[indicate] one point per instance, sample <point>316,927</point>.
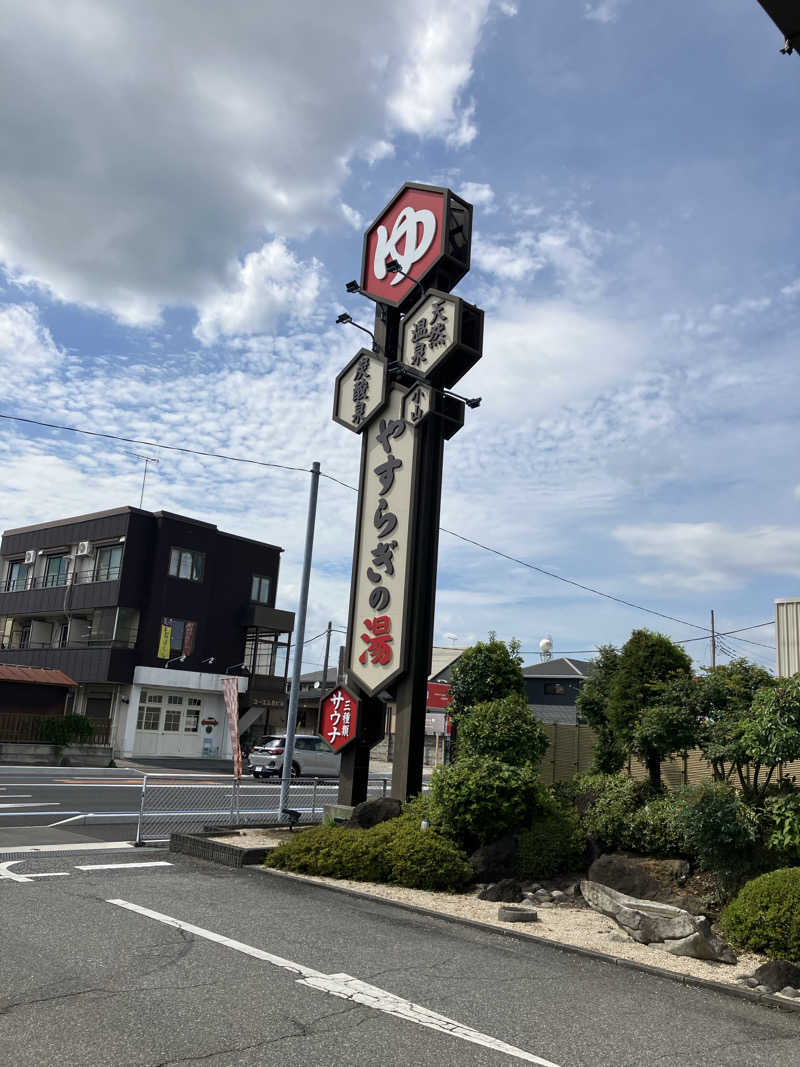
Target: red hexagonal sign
<point>428,231</point>
<point>338,718</point>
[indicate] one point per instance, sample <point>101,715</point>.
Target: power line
<point>346,485</point>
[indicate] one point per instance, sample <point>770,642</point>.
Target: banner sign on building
<point>165,639</point>
<point>338,718</point>
<point>230,688</point>
<point>438,696</point>
<point>189,632</point>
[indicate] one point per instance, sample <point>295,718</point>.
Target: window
<point>172,720</point>
<point>192,721</point>
<point>148,718</point>
<point>182,636</point>
<point>107,566</point>
<point>102,626</point>
<point>174,699</point>
<point>554,689</point>
<point>55,571</point>
<point>260,589</point>
<point>184,563</point>
<point>17,576</point>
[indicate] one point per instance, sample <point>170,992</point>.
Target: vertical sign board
<point>338,718</point>
<point>230,688</point>
<point>393,397</point>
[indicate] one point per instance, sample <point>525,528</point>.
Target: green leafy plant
<point>592,705</point>
<point>606,804</point>
<point>783,823</point>
<point>66,730</point>
<point>489,670</point>
<point>720,829</point>
<point>553,844</point>
<point>476,800</point>
<point>765,915</point>
<point>503,730</point>
<point>394,852</point>
<point>657,829</point>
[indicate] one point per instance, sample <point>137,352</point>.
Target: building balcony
<point>55,581</point>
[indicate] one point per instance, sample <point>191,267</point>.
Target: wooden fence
<point>572,747</point>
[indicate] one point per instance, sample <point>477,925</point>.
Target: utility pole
<point>713,641</point>
<point>327,654</point>
<point>299,637</point>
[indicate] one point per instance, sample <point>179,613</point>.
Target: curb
<point>202,848</point>
<point>768,1000</point>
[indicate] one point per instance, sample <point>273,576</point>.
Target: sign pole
<point>299,638</point>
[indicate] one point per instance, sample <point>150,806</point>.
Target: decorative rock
<point>495,860</point>
<point>776,974</point>
<point>702,946</point>
<point>509,914</point>
<point>508,890</point>
<point>557,895</point>
<point>763,989</point>
<point>542,894</point>
<point>646,879</point>
<point>751,982</point>
<point>790,991</point>
<point>649,922</point>
<point>370,812</point>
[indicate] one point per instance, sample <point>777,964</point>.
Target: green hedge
<point>553,844</point>
<point>658,829</point>
<point>66,730</point>
<point>396,852</point>
<point>765,915</point>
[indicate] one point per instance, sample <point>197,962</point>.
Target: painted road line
<point>12,876</point>
<point>28,814</point>
<point>87,846</point>
<point>61,822</point>
<point>16,796</point>
<point>349,988</point>
<point>119,866</point>
<point>33,804</point>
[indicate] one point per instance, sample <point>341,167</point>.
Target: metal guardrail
<point>167,806</point>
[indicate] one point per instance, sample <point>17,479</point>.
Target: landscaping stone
<point>763,989</point>
<point>646,879</point>
<point>507,889</point>
<point>495,860</point>
<point>650,922</point>
<point>542,894</point>
<point>371,812</point>
<point>790,991</point>
<point>509,914</point>
<point>557,895</point>
<point>776,974</point>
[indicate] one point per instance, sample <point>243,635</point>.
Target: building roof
<point>442,659</point>
<point>561,667</point>
<point>34,675</point>
<point>561,713</point>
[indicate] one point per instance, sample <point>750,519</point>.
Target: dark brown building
<point>146,612</point>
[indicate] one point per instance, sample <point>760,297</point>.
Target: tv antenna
<point>147,459</point>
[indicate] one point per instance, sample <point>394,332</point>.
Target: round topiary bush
<point>554,843</point>
<point>606,804</point>
<point>476,800</point>
<point>719,827</point>
<point>423,859</point>
<point>503,730</point>
<point>765,915</point>
<point>657,829</point>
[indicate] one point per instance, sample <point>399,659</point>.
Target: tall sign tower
<point>397,397</point>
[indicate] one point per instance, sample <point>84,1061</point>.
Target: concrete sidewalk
<point>377,768</point>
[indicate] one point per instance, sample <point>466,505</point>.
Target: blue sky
<point>183,190</point>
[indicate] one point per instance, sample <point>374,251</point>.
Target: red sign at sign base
<point>338,718</point>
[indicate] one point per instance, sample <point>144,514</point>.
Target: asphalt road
<point>94,799</point>
<point>191,963</point>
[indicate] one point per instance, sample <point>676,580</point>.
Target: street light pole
<point>299,638</point>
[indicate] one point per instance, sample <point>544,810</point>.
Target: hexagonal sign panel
<point>338,718</point>
<point>417,403</point>
<point>360,390</point>
<point>442,337</point>
<point>428,231</point>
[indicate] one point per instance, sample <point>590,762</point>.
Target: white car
<point>313,757</point>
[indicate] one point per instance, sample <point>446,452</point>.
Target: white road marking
<point>32,804</point>
<point>349,988</point>
<point>72,818</point>
<point>12,876</point>
<point>89,846</point>
<point>119,866</point>
<point>16,796</point>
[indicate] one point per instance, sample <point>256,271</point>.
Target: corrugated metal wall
<point>787,636</point>
<point>571,749</point>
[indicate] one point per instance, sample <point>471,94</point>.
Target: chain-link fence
<point>168,806</point>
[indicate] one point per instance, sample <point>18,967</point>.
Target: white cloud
<point>604,10</point>
<point>354,218</point>
<point>792,289</point>
<point>508,9</point>
<point>27,349</point>
<point>480,195</point>
<point>164,142</point>
<point>376,151</point>
<point>711,555</point>
<point>268,284</point>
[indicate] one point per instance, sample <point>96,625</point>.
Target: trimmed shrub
<point>66,730</point>
<point>657,829</point>
<point>503,730</point>
<point>606,804</point>
<point>396,852</point>
<point>783,824</point>
<point>765,915</point>
<point>720,829</point>
<point>553,844</point>
<point>476,800</point>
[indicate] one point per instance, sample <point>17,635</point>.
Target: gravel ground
<point>567,924</point>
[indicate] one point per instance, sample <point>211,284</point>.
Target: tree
<point>770,733</point>
<point>490,670</point>
<point>503,730</point>
<point>592,704</point>
<point>646,661</point>
<point>668,726</point>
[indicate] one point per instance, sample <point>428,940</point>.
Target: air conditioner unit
<point>30,555</point>
<point>84,548</point>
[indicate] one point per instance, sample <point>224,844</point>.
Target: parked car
<point>313,757</point>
